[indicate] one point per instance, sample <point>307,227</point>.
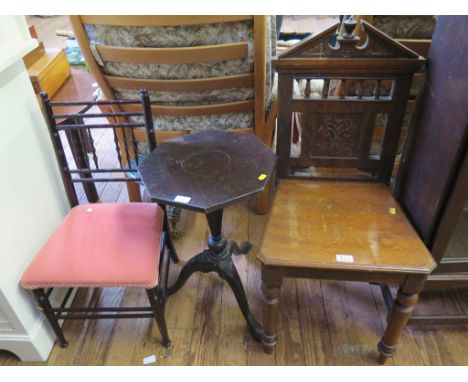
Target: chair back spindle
<point>94,169</point>
<point>351,129</point>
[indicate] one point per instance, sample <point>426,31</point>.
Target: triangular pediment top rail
<point>329,44</point>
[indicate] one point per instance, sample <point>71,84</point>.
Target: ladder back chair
<point>102,245</point>
<point>202,72</point>
<point>333,216</point>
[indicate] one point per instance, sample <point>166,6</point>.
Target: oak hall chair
<point>102,245</point>
<point>333,216</point>
<point>202,72</point>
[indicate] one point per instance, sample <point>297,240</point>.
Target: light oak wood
<point>313,221</point>
<point>49,72</point>
<point>220,108</point>
<point>184,55</point>
<point>82,38</point>
<point>164,135</point>
<point>34,55</point>
<point>260,41</point>
<point>201,84</point>
<point>420,46</point>
<point>335,66</point>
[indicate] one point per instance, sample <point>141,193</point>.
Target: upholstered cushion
<point>101,245</point>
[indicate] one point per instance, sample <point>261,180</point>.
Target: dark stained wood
<point>76,132</point>
<point>173,55</point>
<point>338,131</point>
<point>379,45</point>
<point>449,219</point>
<point>79,85</point>
<point>212,168</point>
<point>206,172</point>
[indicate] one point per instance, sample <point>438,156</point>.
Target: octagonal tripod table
<point>206,172</point>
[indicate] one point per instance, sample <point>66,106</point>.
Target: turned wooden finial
<point>349,25</point>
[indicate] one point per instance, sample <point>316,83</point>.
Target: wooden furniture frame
<point>440,171</point>
<point>78,86</point>
<point>337,134</point>
<point>157,296</point>
<point>264,122</point>
<point>214,169</point>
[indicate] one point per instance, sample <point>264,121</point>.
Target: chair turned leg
<point>401,313</point>
<point>263,202</point>
<point>44,304</point>
<point>270,298</point>
<point>158,311</point>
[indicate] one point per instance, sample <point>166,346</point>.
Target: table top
<point>208,170</point>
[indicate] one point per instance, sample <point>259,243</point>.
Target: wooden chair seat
<point>313,222</point>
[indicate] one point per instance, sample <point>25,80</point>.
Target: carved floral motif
<point>335,137</point>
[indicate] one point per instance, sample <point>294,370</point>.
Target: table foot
<point>221,263</point>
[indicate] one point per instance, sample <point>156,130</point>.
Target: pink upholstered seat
<point>101,245</point>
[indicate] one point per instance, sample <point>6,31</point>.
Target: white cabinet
<point>32,197</point>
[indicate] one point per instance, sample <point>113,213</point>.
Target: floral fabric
<point>418,27</point>
<point>182,36</point>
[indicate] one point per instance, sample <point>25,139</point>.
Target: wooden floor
<point>320,322</point>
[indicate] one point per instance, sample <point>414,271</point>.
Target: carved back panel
<point>355,93</point>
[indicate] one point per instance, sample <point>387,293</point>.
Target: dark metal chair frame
<point>157,296</point>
